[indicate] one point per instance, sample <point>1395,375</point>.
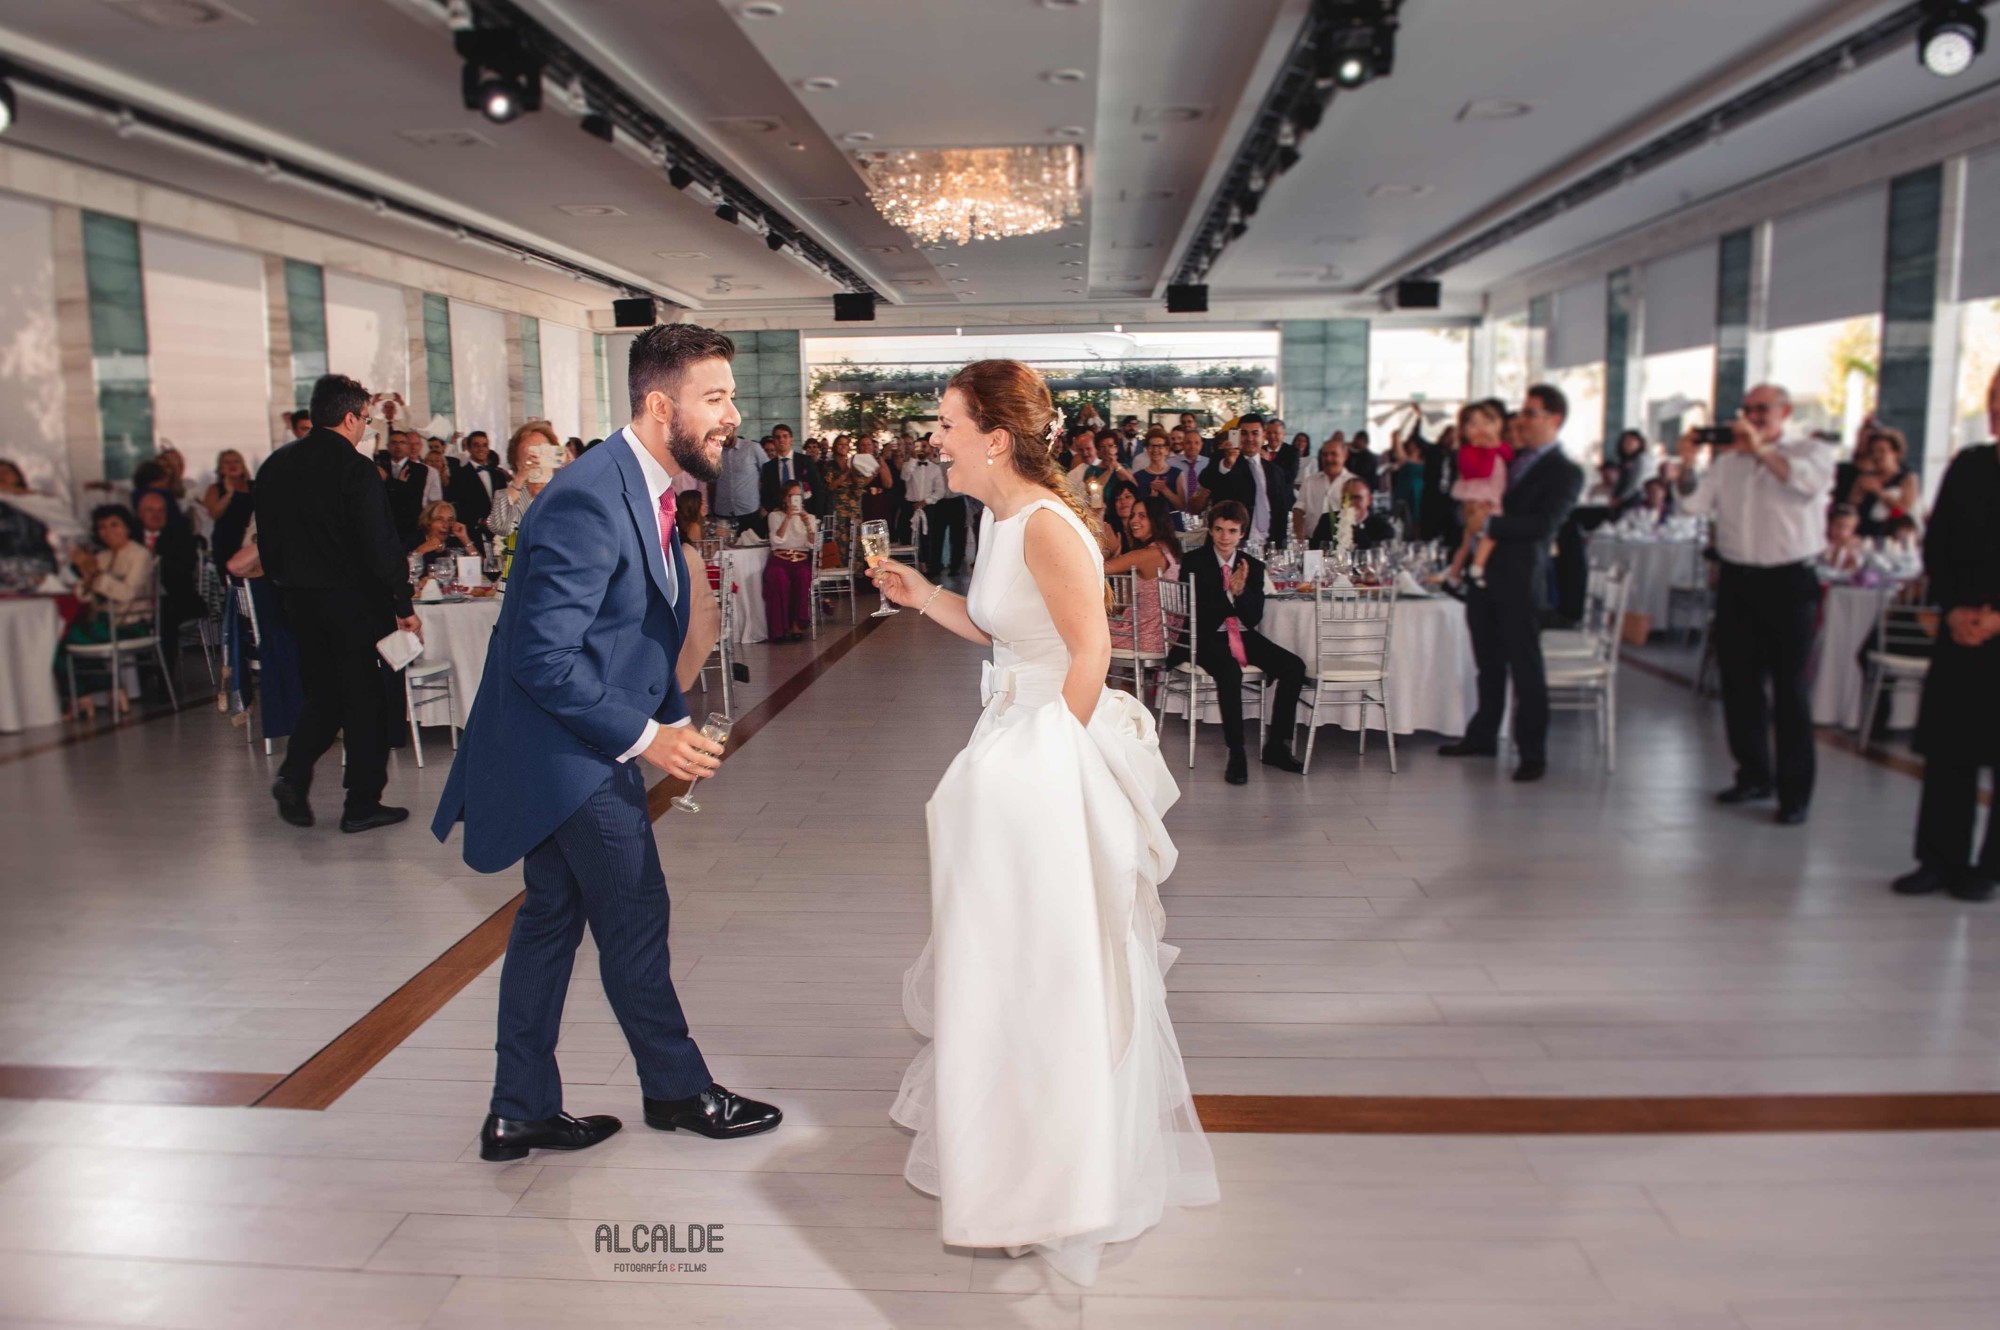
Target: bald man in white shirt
<point>1767,491</point>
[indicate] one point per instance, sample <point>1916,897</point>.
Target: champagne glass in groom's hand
<point>716,727</point>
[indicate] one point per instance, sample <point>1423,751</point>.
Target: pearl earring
<point>989,459</point>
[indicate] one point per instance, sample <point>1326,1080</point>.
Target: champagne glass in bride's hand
<point>875,546</point>
<point>716,727</point>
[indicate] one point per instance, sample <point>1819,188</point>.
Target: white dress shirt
<point>433,485</point>
<point>1318,495</point>
<point>924,482</point>
<point>658,482</point>
<point>1761,521</point>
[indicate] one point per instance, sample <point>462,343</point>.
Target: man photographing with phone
<point>1767,492</point>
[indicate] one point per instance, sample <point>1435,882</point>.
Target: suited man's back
<point>1532,513</point>
<point>323,522</point>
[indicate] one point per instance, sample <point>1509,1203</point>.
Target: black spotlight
<point>501,79</point>
<point>679,176</point>
<point>1951,37</point>
<point>8,107</point>
<point>1359,46</point>
<point>773,241</point>
<point>727,212</point>
<point>854,307</point>
<point>1190,298</point>
<point>598,126</point>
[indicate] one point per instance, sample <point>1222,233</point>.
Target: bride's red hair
<point>1008,396</point>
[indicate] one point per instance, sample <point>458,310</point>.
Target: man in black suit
<point>474,483</point>
<point>324,534</point>
<point>1228,605</point>
<point>784,467</point>
<point>1232,478</point>
<point>410,484</point>
<point>1504,615</point>
<point>1281,478</point>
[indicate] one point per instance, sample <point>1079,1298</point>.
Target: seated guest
<point>229,504</point>
<point>440,532</point>
<point>1320,492</point>
<point>172,545</point>
<point>1653,507</point>
<point>1151,551</point>
<point>1603,492</point>
<point>1112,534</point>
<point>1370,528</point>
<point>1843,539</point>
<point>1228,590</point>
<point>1876,484</point>
<point>789,574</point>
<point>1631,461</point>
<point>689,518</point>
<point>115,585</point>
<point>1087,470</point>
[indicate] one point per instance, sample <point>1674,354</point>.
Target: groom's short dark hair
<point>662,354</point>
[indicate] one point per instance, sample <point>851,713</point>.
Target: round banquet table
<point>29,629</point>
<point>1847,617</point>
<point>1657,567</point>
<point>743,581</point>
<point>1433,684</point>
<point>457,631</point>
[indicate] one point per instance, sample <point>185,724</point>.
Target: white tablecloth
<point>29,629</point>
<point>457,632</point>
<point>1433,684</point>
<point>743,582</point>
<point>1657,566</point>
<point>1847,616</point>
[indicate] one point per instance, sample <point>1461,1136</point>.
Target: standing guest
<point>789,573</point>
<point>1958,725</point>
<point>1406,482</point>
<point>229,505</point>
<point>472,486</point>
<point>114,581</point>
<point>1087,469</point>
<point>847,486</point>
<point>326,541</point>
<point>534,454</point>
<point>1282,462</point>
<point>1361,461</point>
<point>1632,458</point>
<point>1088,417</point>
<point>1227,479</point>
<point>1128,440</point>
<point>1504,614</point>
<point>410,484</point>
<point>295,424</point>
<point>944,523</point>
<point>175,465</point>
<point>1188,466</point>
<point>1229,604</point>
<point>1440,518</point>
<point>883,500</point>
<point>785,467</point>
<point>689,519</point>
<point>736,488</point>
<point>172,545</point>
<point>1877,484</point>
<point>1319,496</point>
<point>924,485</point>
<point>1767,492</point>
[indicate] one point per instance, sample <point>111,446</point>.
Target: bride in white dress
<point>1051,1109</point>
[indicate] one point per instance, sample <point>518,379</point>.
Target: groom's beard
<point>690,451</point>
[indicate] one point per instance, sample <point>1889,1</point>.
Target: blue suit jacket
<point>583,656</point>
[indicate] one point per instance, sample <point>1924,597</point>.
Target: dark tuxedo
<point>1281,479</point>
<point>469,496</point>
<point>1236,483</point>
<point>1213,605</point>
<point>324,534</point>
<point>1505,616</point>
<point>771,485</point>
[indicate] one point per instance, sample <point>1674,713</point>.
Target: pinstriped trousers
<point>601,867</point>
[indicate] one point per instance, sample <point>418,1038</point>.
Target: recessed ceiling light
<point>1399,191</point>
<point>1068,131</point>
<point>590,210</point>
<point>177,13</point>
<point>1130,277</point>
<point>961,281</point>
<point>913,281</point>
<point>1072,263</point>
<point>1494,108</point>
<point>1072,244</point>
<point>678,254</point>
<point>760,9</point>
<point>882,249</point>
<point>1064,76</point>
<point>819,83</point>
<point>947,265</point>
<point>747,124</point>
<point>1063,4</point>
<point>796,146</point>
<point>858,136</point>
<point>445,138</point>
<point>831,201</point>
<point>1133,244</point>
<point>967,293</point>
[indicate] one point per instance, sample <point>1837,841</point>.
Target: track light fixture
<point>1951,37</point>
<point>1359,44</point>
<point>501,79</point>
<point>598,126</point>
<point>727,212</point>
<point>679,176</point>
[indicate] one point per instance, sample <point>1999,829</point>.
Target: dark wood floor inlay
<point>116,1085</point>
<point>1664,1115</point>
<point>333,1071</point>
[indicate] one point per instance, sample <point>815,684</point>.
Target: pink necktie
<point>669,530</point>
<point>1233,625</point>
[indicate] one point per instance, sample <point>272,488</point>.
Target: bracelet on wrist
<point>924,610</point>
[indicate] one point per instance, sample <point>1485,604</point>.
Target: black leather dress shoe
<point>1282,759</point>
<point>292,805</point>
<point>1528,771</point>
<point>1790,815</point>
<point>1973,885</point>
<point>1739,793</point>
<point>381,815</point>
<point>1467,748</point>
<point>505,1138</point>
<point>1238,770</point>
<point>714,1112</point>
<point>1922,881</point>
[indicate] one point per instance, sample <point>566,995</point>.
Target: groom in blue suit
<point>600,629</point>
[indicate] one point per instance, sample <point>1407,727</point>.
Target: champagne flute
<point>875,545</point>
<point>716,727</point>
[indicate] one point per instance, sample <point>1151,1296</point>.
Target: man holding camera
<point>1767,493</point>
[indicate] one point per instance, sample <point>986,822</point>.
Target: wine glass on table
<point>716,727</point>
<point>875,548</point>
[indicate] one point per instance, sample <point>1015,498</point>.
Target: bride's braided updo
<point>1008,396</point>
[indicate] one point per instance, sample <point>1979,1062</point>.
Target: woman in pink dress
<point>1152,551</point>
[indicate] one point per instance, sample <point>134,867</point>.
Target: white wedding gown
<point>1051,1110</point>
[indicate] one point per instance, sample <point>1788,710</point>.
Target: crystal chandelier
<point>966,194</point>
